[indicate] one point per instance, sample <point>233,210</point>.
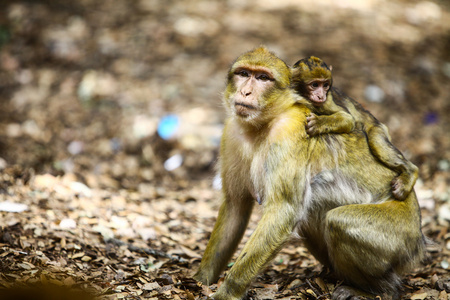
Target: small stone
<point>374,93</point>
<point>13,207</point>
<point>68,224</point>
<point>81,189</point>
<point>144,126</point>
<point>75,147</point>
<point>444,212</point>
<point>173,162</point>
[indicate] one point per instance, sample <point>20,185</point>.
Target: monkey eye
<point>315,84</point>
<point>263,77</point>
<point>242,73</point>
<point>326,85</point>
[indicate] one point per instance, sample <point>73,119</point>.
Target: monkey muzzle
<point>243,109</point>
<point>318,101</point>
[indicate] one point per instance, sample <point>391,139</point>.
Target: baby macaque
<point>334,112</point>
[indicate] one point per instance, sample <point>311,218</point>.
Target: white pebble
<point>374,93</point>
<point>68,224</point>
<point>75,147</point>
<point>13,207</point>
<point>173,162</point>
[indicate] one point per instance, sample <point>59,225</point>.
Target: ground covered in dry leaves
<point>99,195</point>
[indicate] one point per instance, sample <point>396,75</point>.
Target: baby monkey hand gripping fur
<point>328,188</point>
<point>333,112</point>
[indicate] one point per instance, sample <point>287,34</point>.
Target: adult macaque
<point>333,112</point>
<point>329,188</point>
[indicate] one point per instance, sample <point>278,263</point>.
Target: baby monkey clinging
<point>334,112</point>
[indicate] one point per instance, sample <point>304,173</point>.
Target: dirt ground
<point>110,121</point>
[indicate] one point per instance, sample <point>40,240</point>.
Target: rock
<point>374,93</point>
<point>13,207</point>
<point>68,224</point>
<point>174,162</point>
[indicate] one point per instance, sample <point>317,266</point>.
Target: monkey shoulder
<point>289,125</point>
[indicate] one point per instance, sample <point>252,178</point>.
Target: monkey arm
<point>339,122</point>
<point>273,230</point>
<point>226,235</point>
<point>279,216</point>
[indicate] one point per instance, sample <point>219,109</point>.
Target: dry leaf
<point>151,286</point>
<point>77,255</point>
<point>86,258</point>
<point>419,296</point>
<point>189,252</point>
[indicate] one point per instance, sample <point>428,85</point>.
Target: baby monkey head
<point>311,79</point>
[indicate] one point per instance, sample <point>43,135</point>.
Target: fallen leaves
<point>95,241</point>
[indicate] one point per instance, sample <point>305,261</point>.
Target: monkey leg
<point>381,147</point>
<point>273,230</point>
<point>370,245</point>
<point>225,237</point>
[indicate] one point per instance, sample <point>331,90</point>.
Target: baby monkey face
<point>318,89</point>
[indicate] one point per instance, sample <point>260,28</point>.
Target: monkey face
<point>317,91</point>
<point>311,78</point>
<point>251,86</point>
<point>257,88</point>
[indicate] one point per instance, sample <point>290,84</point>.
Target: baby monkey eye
<point>315,84</point>
<point>326,85</point>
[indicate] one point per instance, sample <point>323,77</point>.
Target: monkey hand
<point>203,277</point>
<point>313,125</point>
<point>223,296</point>
<point>220,294</point>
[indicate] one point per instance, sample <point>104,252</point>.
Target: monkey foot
<point>348,293</point>
<point>401,187</point>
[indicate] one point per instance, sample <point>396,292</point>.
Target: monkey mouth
<point>317,102</point>
<point>244,105</point>
<point>243,109</point>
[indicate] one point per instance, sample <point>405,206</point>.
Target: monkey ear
<point>331,68</point>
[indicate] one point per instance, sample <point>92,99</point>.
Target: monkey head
<point>254,83</point>
<point>311,78</point>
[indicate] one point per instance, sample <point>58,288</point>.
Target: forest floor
<point>95,199</point>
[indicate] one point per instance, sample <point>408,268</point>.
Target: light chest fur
<point>245,171</point>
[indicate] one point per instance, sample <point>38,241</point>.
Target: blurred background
<point>126,94</point>
<point>86,85</point>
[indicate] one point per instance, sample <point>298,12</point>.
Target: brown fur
<point>329,188</point>
<point>341,114</point>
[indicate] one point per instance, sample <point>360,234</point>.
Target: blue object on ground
<point>168,126</point>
